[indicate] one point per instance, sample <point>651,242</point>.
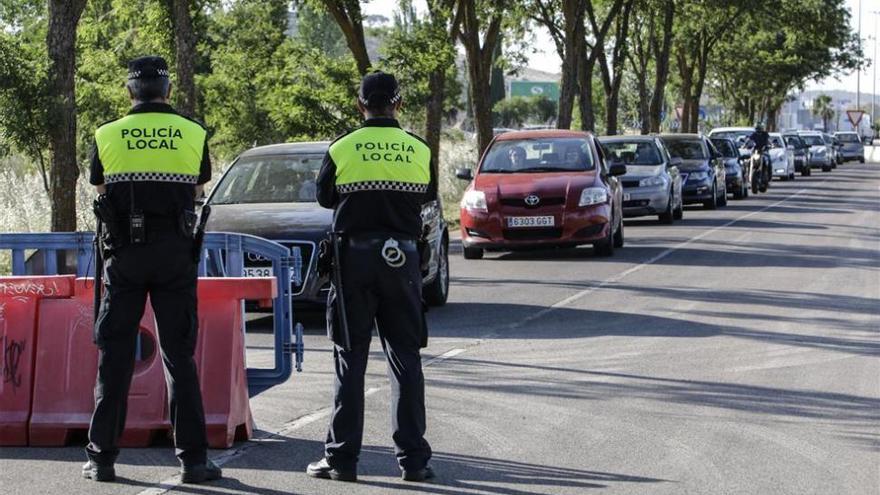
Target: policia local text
<point>400,148</point>
<point>161,138</point>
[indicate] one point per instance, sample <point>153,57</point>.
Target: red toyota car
<point>542,188</point>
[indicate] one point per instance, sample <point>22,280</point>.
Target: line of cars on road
<point>535,188</point>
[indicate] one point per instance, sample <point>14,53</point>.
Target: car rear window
<point>633,152</point>
<point>270,179</point>
<point>726,148</point>
<point>686,149</point>
<point>565,154</point>
<point>848,137</point>
<point>813,140</point>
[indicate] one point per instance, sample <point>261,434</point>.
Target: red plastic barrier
<point>66,368</point>
<point>20,299</point>
<point>221,343</point>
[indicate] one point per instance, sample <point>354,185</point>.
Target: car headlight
<point>820,151</point>
<point>474,200</point>
<point>657,180</point>
<point>593,196</point>
<point>697,176</point>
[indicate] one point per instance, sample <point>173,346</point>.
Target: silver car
<point>652,183</point>
<point>853,149</point>
<point>819,155</point>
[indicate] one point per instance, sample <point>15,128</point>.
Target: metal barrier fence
<point>225,250</point>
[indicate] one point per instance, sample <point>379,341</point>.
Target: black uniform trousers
<point>391,297</point>
<point>164,270</point>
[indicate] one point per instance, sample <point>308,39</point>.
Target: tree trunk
<point>479,60</point>
<point>573,14</point>
<point>611,77</point>
<point>185,44</point>
<point>61,44</point>
<point>434,112</point>
<point>662,67</point>
<point>585,103</point>
<point>351,21</point>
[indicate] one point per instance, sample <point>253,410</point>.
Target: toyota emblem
<point>532,200</point>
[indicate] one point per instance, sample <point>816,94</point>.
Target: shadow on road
<point>537,380</point>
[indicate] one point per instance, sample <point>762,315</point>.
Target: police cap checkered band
<point>379,89</point>
<point>147,67</point>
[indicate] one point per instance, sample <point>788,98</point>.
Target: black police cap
<point>147,67</point>
<point>379,89</point>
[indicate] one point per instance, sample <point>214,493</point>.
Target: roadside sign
<point>855,116</point>
<point>548,89</point>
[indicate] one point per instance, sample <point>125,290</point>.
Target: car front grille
<point>630,183</point>
<point>307,250</point>
<point>521,202</point>
<point>533,234</point>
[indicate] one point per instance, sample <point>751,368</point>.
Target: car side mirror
<point>617,169</point>
<point>464,174</point>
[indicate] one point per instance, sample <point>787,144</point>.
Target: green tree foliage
<point>823,109</point>
<point>778,49</point>
<point>519,110</point>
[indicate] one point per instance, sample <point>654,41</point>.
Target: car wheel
<point>437,292</point>
<point>711,204</point>
<point>605,247</point>
<point>668,215</point>
<point>618,236</point>
<point>861,159</point>
<point>472,253</point>
<point>805,172</point>
<point>826,168</point>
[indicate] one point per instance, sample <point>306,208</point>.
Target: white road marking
<point>232,454</point>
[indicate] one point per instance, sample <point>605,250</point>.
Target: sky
<point>545,58</point>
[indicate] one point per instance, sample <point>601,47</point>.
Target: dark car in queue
<point>652,183</point>
<point>543,188</point>
<point>800,149</point>
<point>269,192</point>
<point>702,169</point>
<point>852,147</point>
<point>734,174</point>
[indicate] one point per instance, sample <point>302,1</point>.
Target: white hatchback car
<point>781,158</point>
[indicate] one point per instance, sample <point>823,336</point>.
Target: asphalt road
<point>735,352</point>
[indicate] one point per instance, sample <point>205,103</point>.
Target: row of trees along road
<point>262,71</point>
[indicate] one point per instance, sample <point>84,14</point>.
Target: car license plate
<point>627,196</point>
<point>515,222</point>
<point>258,271</point>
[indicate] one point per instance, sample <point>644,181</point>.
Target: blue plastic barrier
<point>226,250</point>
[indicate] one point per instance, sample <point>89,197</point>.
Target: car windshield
<point>813,140</point>
<point>794,141</point>
<point>726,148</point>
<point>633,152</point>
<point>777,142</point>
<point>563,154</point>
<point>686,149</point>
<point>270,179</point>
<point>848,137</point>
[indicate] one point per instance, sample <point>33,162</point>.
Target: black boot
<point>199,473</point>
<point>94,471</point>
<point>323,469</point>
<point>426,473</point>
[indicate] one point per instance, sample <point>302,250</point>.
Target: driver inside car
<point>517,157</point>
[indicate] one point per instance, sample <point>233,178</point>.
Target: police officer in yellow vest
<point>377,178</point>
<point>151,164</point>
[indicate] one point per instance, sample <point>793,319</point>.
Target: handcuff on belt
<point>392,254</point>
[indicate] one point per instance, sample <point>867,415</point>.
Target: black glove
<point>325,258</point>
